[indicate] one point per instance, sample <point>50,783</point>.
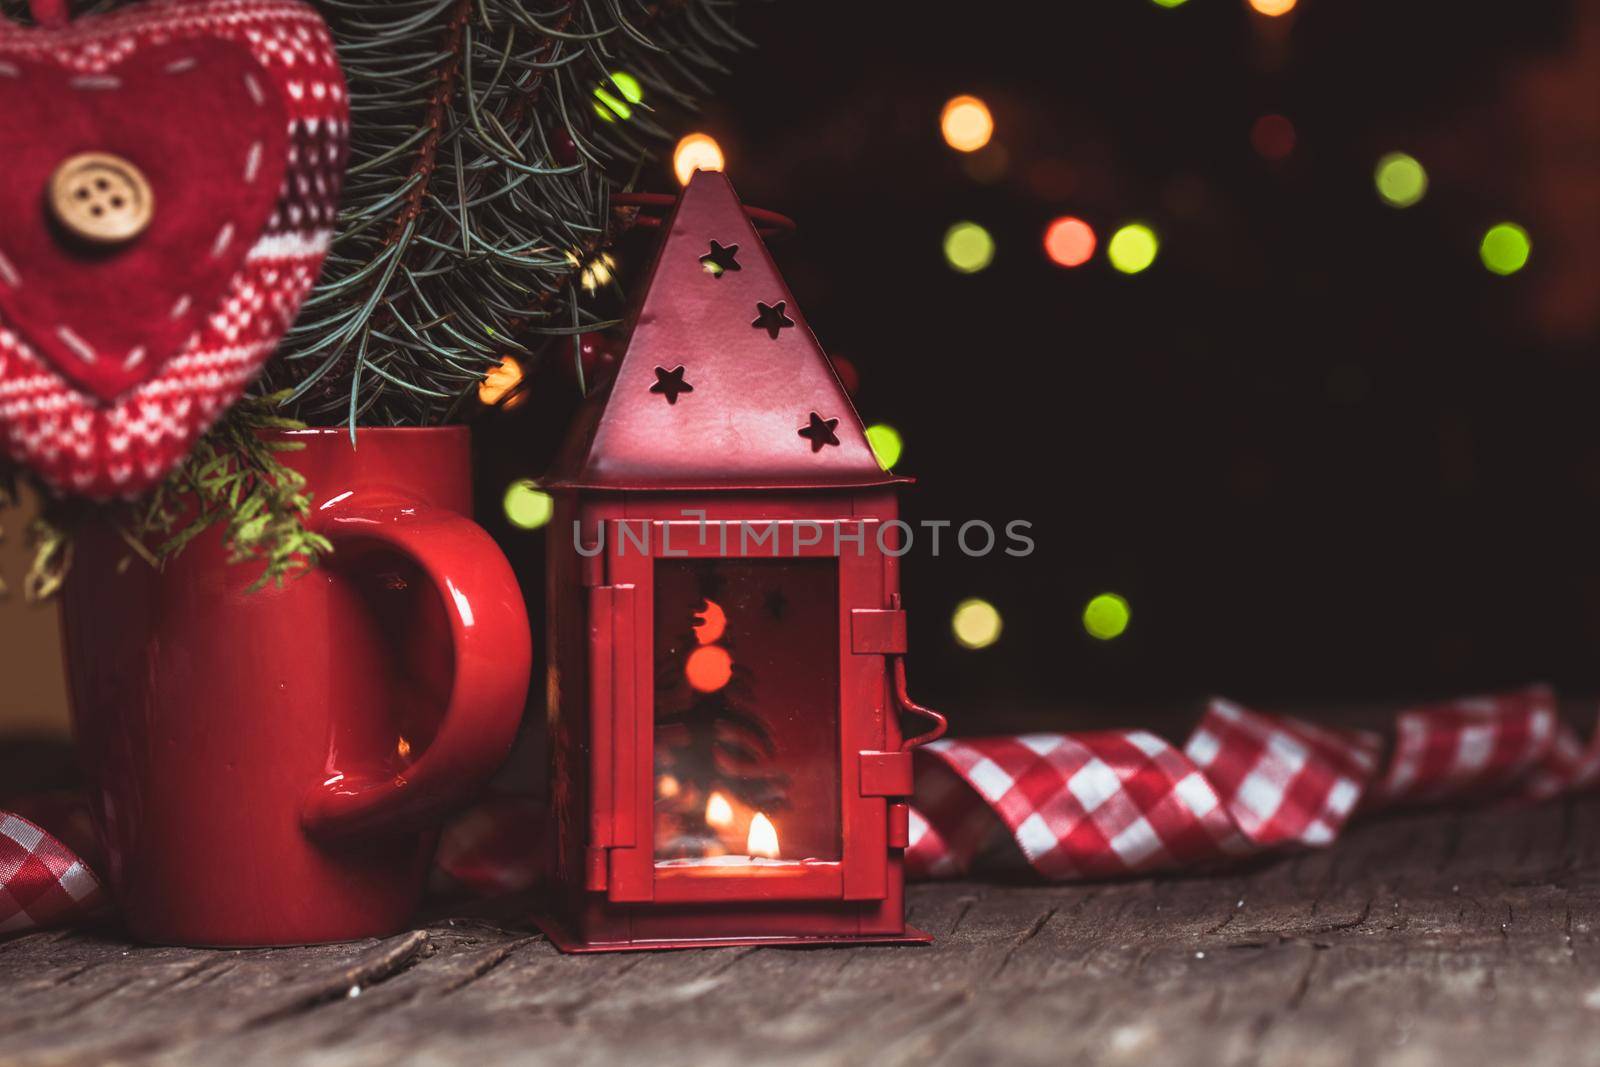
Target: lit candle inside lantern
<point>719,813</point>
<point>763,839</point>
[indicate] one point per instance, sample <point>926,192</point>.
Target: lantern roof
<point>721,384</point>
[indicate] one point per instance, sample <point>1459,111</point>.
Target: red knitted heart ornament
<point>114,358</point>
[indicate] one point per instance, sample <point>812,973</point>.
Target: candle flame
<point>402,748</point>
<point>763,839</point>
<point>719,813</point>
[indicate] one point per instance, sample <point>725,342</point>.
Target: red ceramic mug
<point>270,767</point>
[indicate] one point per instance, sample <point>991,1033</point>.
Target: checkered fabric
<point>42,881</point>
<point>1066,806</point>
<point>1127,802</point>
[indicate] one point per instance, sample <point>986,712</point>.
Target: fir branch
<point>475,221</point>
<point>479,190</point>
<point>234,477</point>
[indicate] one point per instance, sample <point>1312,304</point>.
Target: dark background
<point>1324,453</point>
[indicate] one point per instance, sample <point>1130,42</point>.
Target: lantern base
<point>564,940</point>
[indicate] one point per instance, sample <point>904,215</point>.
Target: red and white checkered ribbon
<point>1123,802</point>
<point>1069,806</point>
<point>42,881</point>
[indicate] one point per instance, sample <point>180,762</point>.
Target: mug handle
<point>493,657</point>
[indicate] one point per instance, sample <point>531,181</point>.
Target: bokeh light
<point>708,668</point>
<point>1273,137</point>
<point>886,444</point>
<point>1133,248</point>
<point>966,123</point>
<point>627,88</point>
<point>1400,179</point>
<point>1505,248</point>
<point>697,151</point>
<point>1169,3</point>
<point>1069,242</point>
<point>968,247</point>
<point>499,382</point>
<point>1273,8</point>
<point>1106,616</point>
<point>527,506</point>
<point>975,623</point>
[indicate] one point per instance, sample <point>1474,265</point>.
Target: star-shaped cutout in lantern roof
<point>820,432</point>
<point>771,317</point>
<point>720,260</point>
<point>670,383</point>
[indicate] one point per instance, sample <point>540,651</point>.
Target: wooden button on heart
<point>101,198</point>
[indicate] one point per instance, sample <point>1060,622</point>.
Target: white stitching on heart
<point>77,344</point>
<point>8,273</point>
<point>96,81</point>
<point>254,86</point>
<point>252,162</point>
<point>135,358</point>
<point>180,307</point>
<point>178,66</point>
<point>224,238</point>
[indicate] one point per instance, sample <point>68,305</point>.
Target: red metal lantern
<point>726,636</point>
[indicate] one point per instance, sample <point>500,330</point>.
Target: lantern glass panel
<point>746,711</point>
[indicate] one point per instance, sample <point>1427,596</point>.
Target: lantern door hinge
<point>877,631</point>
<point>596,868</point>
<point>899,824</point>
<point>885,774</point>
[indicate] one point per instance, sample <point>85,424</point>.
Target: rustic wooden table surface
<point>1445,937</point>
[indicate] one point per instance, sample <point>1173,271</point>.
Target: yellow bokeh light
<point>527,506</point>
<point>966,123</point>
<point>1106,616</point>
<point>1272,8</point>
<point>1133,248</point>
<point>968,247</point>
<point>697,151</point>
<point>886,444</point>
<point>976,623</point>
<point>1400,179</point>
<point>1505,248</point>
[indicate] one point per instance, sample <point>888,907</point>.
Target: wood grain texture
<point>1444,937</point>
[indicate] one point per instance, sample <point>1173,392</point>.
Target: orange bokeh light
<point>698,151</point>
<point>966,123</point>
<point>500,381</point>
<point>713,621</point>
<point>1069,242</point>
<point>709,668</point>
<point>1274,8</point>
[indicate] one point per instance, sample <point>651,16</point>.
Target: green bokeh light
<point>968,247</point>
<point>1106,616</point>
<point>1505,248</point>
<point>527,506</point>
<point>1133,248</point>
<point>1169,3</point>
<point>610,106</point>
<point>976,623</point>
<point>1401,180</point>
<point>886,444</point>
<point>628,86</point>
